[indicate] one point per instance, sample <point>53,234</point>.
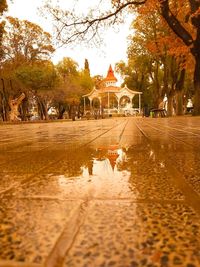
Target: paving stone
<point>30,228</point>
<point>127,240</point>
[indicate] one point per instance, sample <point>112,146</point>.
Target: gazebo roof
<point>112,89</point>
<point>110,75</point>
<point>126,89</point>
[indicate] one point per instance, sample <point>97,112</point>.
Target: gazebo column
<point>108,103</point>
<point>84,106</point>
<point>100,107</point>
<point>118,101</point>
<point>90,103</point>
<point>139,103</point>
<point>131,99</point>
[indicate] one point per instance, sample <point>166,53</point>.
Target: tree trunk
<point>179,93</point>
<point>197,86</point>
<point>179,103</point>
<point>24,110</point>
<point>5,105</point>
<point>170,106</point>
<point>61,113</point>
<point>42,109</point>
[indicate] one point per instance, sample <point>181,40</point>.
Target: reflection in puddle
<point>104,173</point>
<point>113,171</point>
<point>108,161</point>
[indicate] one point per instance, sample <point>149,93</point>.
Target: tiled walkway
<point>114,192</point>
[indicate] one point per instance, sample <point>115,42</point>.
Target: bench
<point>158,112</point>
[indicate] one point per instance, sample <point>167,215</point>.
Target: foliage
<point>67,68</point>
<point>24,41</point>
<point>3,6</point>
<point>86,66</point>
<point>74,82</point>
<point>38,76</point>
<point>156,66</point>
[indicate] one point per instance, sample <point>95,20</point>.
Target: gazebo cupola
<point>110,79</point>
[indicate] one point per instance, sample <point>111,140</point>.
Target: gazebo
<point>107,89</point>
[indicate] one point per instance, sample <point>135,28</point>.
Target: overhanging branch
<point>71,28</point>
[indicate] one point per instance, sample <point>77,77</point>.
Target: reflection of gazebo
<point>108,87</point>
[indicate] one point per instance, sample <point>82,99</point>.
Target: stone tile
<point>30,228</point>
<point>10,180</point>
<point>188,165</point>
<point>30,162</point>
<point>136,214</point>
<point>133,173</point>
<point>132,234</point>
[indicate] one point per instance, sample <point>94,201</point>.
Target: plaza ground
<point>121,192</point>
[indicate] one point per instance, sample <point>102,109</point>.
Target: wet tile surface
<point>29,228</point>
<point>133,234</point>
<point>114,192</point>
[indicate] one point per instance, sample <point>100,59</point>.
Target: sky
<point>113,50</point>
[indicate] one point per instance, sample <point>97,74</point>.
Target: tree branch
<point>175,24</point>
<point>71,28</point>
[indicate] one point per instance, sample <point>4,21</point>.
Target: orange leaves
<point>3,6</point>
<point>150,6</point>
<point>158,38</point>
<point>197,13</point>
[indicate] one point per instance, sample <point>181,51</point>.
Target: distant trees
<point>73,84</point>
<point>26,67</point>
<point>26,49</point>
<point>25,42</point>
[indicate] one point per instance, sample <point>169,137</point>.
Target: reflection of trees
<point>115,155</point>
<point>122,160</point>
<point>84,158</point>
<point>76,160</point>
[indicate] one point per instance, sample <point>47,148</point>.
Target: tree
<point>97,80</point>
<point>86,67</point>
<point>167,57</point>
<point>73,85</point>
<point>189,35</point>
<point>182,17</point>
<point>148,62</point>
<point>137,77</point>
<point>40,79</point>
<point>24,41</point>
<point>3,8</point>
<point>26,49</point>
<point>67,68</point>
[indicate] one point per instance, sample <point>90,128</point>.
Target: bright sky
<point>99,59</point>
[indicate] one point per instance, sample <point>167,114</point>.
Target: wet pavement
<point>121,192</point>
